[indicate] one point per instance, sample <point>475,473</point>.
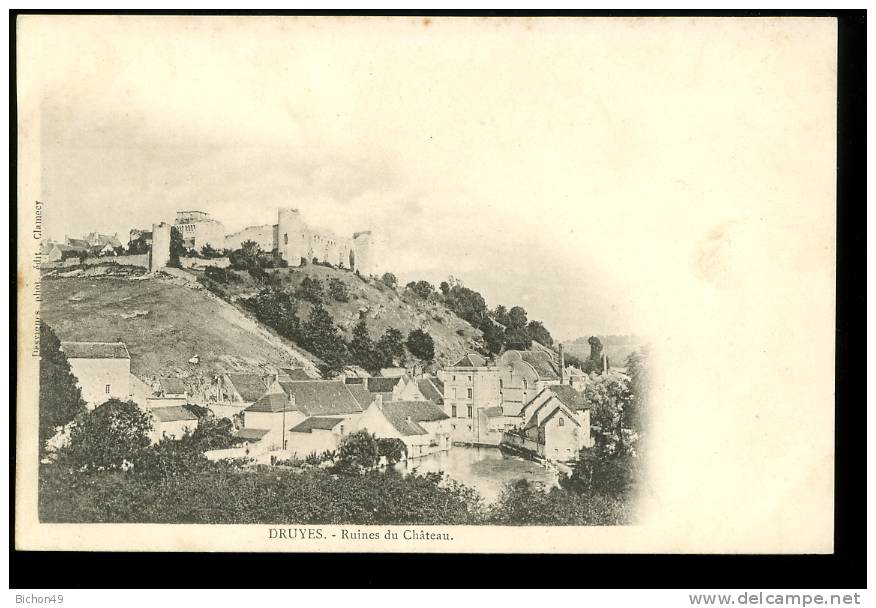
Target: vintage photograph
<point>303,271</point>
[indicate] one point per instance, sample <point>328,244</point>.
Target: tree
<point>311,290</point>
<point>494,337</point>
<point>444,287</point>
<point>177,247</point>
<point>247,257</point>
<point>640,385</point>
<point>466,303</point>
<point>338,290</point>
<point>421,345</point>
<point>321,337</point>
<point>608,396</point>
<point>362,347</point>
<point>60,398</point>
<point>114,433</point>
<point>517,317</point>
<point>389,347</point>
<point>389,279</point>
<point>516,338</point>
<point>357,453</point>
<point>138,246</point>
<point>594,362</point>
<point>422,289</point>
<point>392,448</point>
<point>208,251</point>
<point>538,332</point>
<point>500,313</point>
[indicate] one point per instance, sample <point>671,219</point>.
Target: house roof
<point>406,416</point>
<point>570,397</point>
<point>173,413</point>
<point>95,350</point>
<point>554,413</point>
<point>542,363</point>
<point>321,397</point>
<point>288,373</point>
<point>430,391</point>
<point>317,423</point>
<point>172,386</point>
<point>361,394</point>
<point>252,434</point>
<point>249,386</point>
<point>382,385</point>
<point>81,243</point>
<point>471,360</point>
<point>272,402</point>
<point>439,384</point>
<point>556,404</point>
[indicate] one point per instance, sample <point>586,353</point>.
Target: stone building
<point>471,387</point>
<point>198,229</point>
<point>102,370</point>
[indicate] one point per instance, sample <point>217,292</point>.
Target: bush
<point>221,275</point>
<point>392,448</point>
<point>357,453</point>
<point>338,290</point>
<point>389,280</point>
<point>421,345</point>
<point>311,290</point>
<point>112,434</point>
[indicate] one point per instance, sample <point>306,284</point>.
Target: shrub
<point>421,345</point>
<point>357,453</point>
<point>311,290</point>
<point>338,290</point>
<point>389,279</point>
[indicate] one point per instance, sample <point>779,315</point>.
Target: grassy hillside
<point>164,323</point>
<point>382,307</point>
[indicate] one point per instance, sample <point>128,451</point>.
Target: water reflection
<point>486,469</point>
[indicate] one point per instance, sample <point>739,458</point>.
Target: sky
<point>544,163</point>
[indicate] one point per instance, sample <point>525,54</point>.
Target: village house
<point>59,252</point>
<point>422,426</point>
<point>102,370</point>
<point>171,422</point>
<point>395,388</point>
<point>470,386</point>
<point>231,393</point>
<point>287,404</point>
<point>555,424</point>
<point>524,374</point>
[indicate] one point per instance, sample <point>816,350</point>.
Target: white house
<point>102,370</point>
<point>287,404</point>
<point>555,424</point>
<point>421,425</point>
<point>171,422</point>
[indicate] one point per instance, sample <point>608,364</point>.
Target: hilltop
<point>167,320</point>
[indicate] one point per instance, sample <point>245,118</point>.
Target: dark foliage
<point>339,290</point>
<point>421,345</point>
<point>60,397</point>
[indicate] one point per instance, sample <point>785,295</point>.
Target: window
<point>454,392</point>
<point>524,384</point>
<point>342,429</point>
<point>454,378</point>
<point>286,238</point>
<point>469,412</point>
<point>107,389</point>
<point>501,384</point>
<point>453,411</point>
<point>469,393</point>
<point>469,378</point>
<point>562,421</point>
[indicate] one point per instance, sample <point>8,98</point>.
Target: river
<point>487,469</point>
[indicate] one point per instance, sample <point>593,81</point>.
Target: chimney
<point>562,365</point>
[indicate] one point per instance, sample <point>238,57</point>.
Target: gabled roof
<point>288,373</point>
<point>249,386</point>
<point>439,384</point>
<point>542,363</point>
<point>430,391</point>
<point>172,386</point>
<point>361,394</point>
<point>173,413</point>
<point>382,385</point>
<point>406,416</point>
<point>317,423</point>
<point>321,397</point>
<point>554,403</point>
<point>252,434</point>
<point>554,413</point>
<point>471,360</point>
<point>95,350</point>
<point>273,403</point>
<point>81,243</point>
<point>570,397</point>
